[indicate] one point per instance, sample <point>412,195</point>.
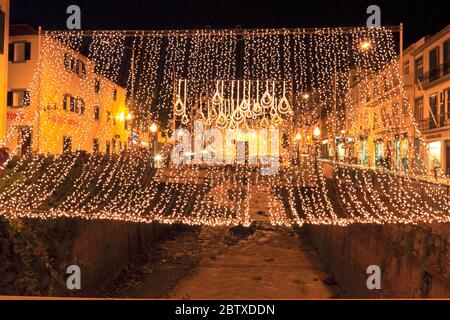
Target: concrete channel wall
<point>414,260</point>
<point>104,248</point>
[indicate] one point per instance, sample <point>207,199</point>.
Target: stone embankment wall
<point>414,260</point>
<point>104,248</point>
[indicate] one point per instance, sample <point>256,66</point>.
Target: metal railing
<point>442,120</point>
<point>434,74</point>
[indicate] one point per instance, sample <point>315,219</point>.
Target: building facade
<point>56,101</point>
<point>382,114</point>
<point>426,72</point>
<point>4,36</point>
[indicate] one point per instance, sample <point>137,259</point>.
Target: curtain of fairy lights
<point>335,87</point>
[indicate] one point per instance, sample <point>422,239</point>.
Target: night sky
<point>420,18</point>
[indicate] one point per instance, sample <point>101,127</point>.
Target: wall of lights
<point>339,87</point>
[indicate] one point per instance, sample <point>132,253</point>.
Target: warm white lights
<point>365,45</point>
<point>317,131</point>
<point>313,85</point>
<point>153,128</point>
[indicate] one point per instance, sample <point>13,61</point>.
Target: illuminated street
<point>174,156</point>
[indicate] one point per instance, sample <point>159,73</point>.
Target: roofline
<point>431,40</point>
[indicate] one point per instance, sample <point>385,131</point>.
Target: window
<point>125,125</point>
<point>74,65</point>
<point>82,106</point>
<point>419,67</point>
<point>66,102</point>
<point>72,104</point>
<point>18,98</point>
<point>67,144</point>
<point>448,103</point>
<point>67,62</point>
<point>418,109</point>
<point>434,110</point>
<point>434,63</point>
<point>95,146</point>
<point>75,105</point>
<point>19,52</point>
<point>108,117</point>
<point>433,156</point>
<point>441,108</point>
<point>97,86</point>
<point>447,57</point>
<point>79,106</point>
<point>406,67</point>
<point>97,113</point>
<point>114,94</point>
<point>80,69</point>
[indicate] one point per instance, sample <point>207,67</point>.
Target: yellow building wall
<point>4,7</point>
<point>49,82</point>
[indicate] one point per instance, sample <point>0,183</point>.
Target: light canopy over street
<point>222,106</point>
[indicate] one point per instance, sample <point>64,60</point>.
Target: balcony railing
<point>428,124</point>
<point>434,74</point>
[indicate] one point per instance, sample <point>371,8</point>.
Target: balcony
<point>442,120</point>
<point>433,75</point>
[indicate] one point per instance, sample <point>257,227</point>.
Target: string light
<point>334,87</point>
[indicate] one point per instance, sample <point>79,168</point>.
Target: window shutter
<point>83,70</point>
<point>11,52</point>
<point>26,98</point>
<point>10,98</point>
<point>72,104</point>
<point>2,32</point>
<point>83,107</point>
<point>65,102</point>
<point>27,51</point>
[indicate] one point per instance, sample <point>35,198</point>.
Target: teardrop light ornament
<point>273,111</point>
<point>276,120</point>
<point>245,106</point>
<point>284,107</point>
<point>264,123</point>
<point>185,119</point>
<point>216,99</point>
<point>179,107</point>
<point>212,113</point>
<point>221,120</point>
<point>257,110</point>
<point>267,100</point>
<point>249,114</point>
<point>237,116</point>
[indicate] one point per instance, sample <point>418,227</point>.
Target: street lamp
<point>153,128</point>
<point>316,132</point>
<point>365,45</point>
